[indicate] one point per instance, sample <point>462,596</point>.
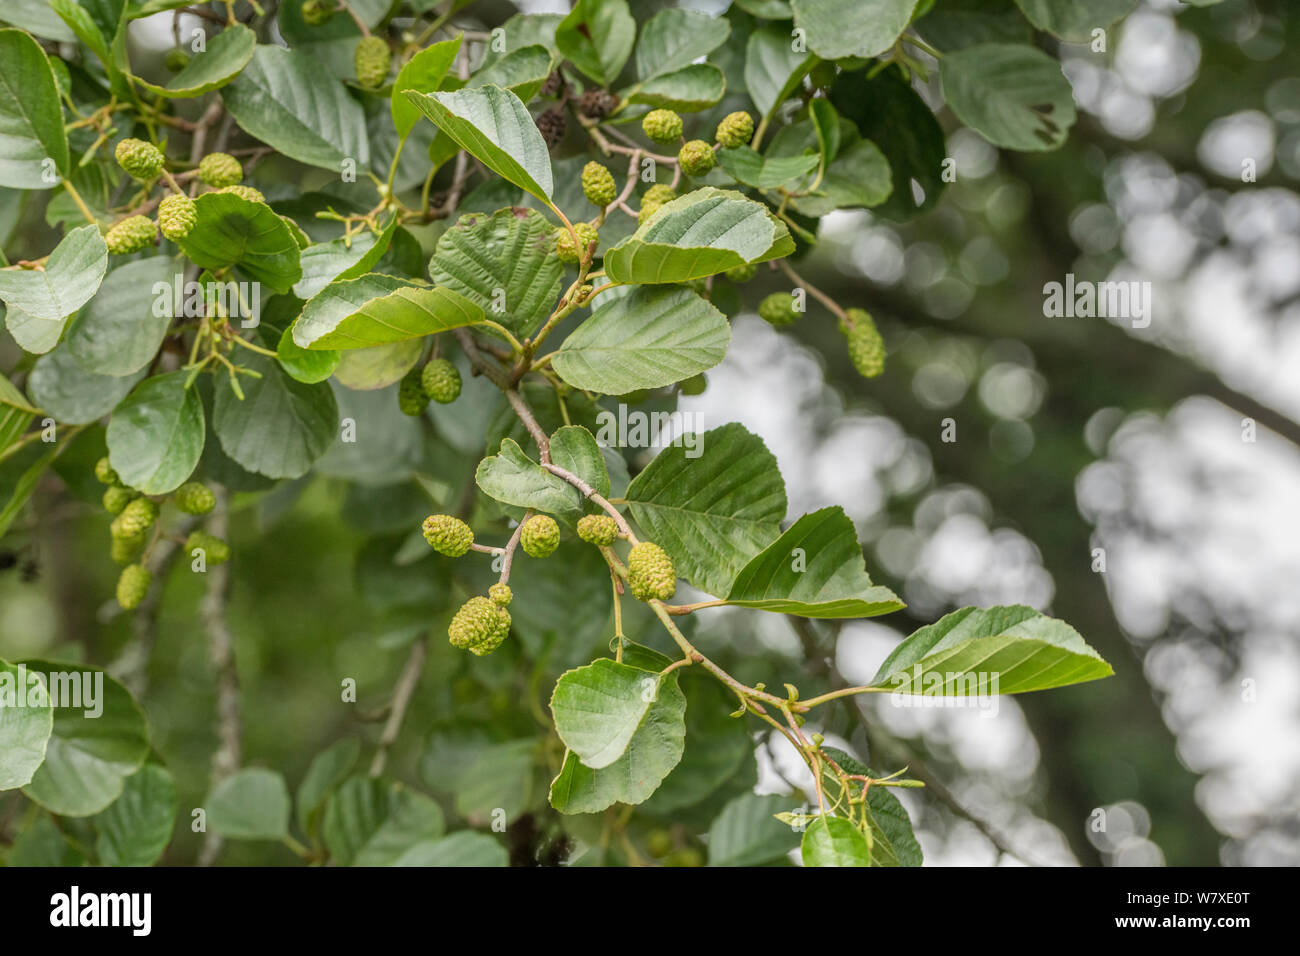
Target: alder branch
<point>402,694</point>
<point>221,644</point>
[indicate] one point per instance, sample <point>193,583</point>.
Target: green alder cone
<point>220,169</point>
<point>215,550</point>
<point>598,185</point>
<point>736,129</point>
<point>540,536</point>
<point>778,309</point>
<point>372,60</point>
<point>141,160</point>
<point>500,594</point>
<point>480,626</point>
<point>125,550</point>
<point>117,498</point>
<point>176,216</point>
<point>696,158</point>
<point>316,13</point>
<point>650,572</point>
<point>564,247</point>
<point>135,519</point>
<point>244,192</point>
<point>131,235</point>
<point>176,60</point>
<point>440,381</point>
<point>447,535</point>
<point>411,396</point>
<point>105,474</point>
<point>133,585</point>
<point>600,530</point>
<point>866,347</point>
<point>195,498</point>
<point>742,273</point>
<point>655,197</point>
<point>662,126</point>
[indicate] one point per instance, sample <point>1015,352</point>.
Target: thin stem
<point>404,690</point>
<point>815,292</point>
<point>80,203</point>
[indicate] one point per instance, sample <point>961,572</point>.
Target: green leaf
<point>498,778</point>
<point>858,176</point>
<point>372,822</point>
<point>651,337</point>
<point>137,826</point>
<point>773,67</point>
<point>36,17</point>
<point>598,708</point>
<point>377,366</point>
<point>522,71</point>
<point>119,331</point>
<point>834,841</point>
<point>16,413</point>
<point>156,434</point>
<point>280,427</point>
<point>719,748</point>
<point>251,804</point>
<point>705,232</point>
<point>24,730</point>
<point>513,478</point>
<point>21,490</point>
<point>1012,94</point>
<point>305,365</point>
<point>766,9</point>
<point>327,262</point>
<point>99,24</point>
<point>597,36</point>
<point>655,748</point>
<point>88,758</point>
<point>753,169</point>
<point>712,504</point>
<point>226,55</point>
<point>574,449</point>
<point>376,310</point>
<point>31,117</point>
<point>674,38</point>
<point>72,395</point>
<point>958,24</point>
<point>1072,20</point>
<point>815,569</point>
<point>497,129</point>
<point>842,28</point>
<point>747,833</point>
<point>43,844</point>
<point>888,112</point>
<point>34,335</point>
<point>295,105</point>
<point>504,263</point>
<point>465,848</point>
<point>71,276</point>
<point>421,73</point>
<point>231,230</point>
<point>328,769</point>
<point>1017,646</point>
<point>892,841</point>
<point>690,89</point>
